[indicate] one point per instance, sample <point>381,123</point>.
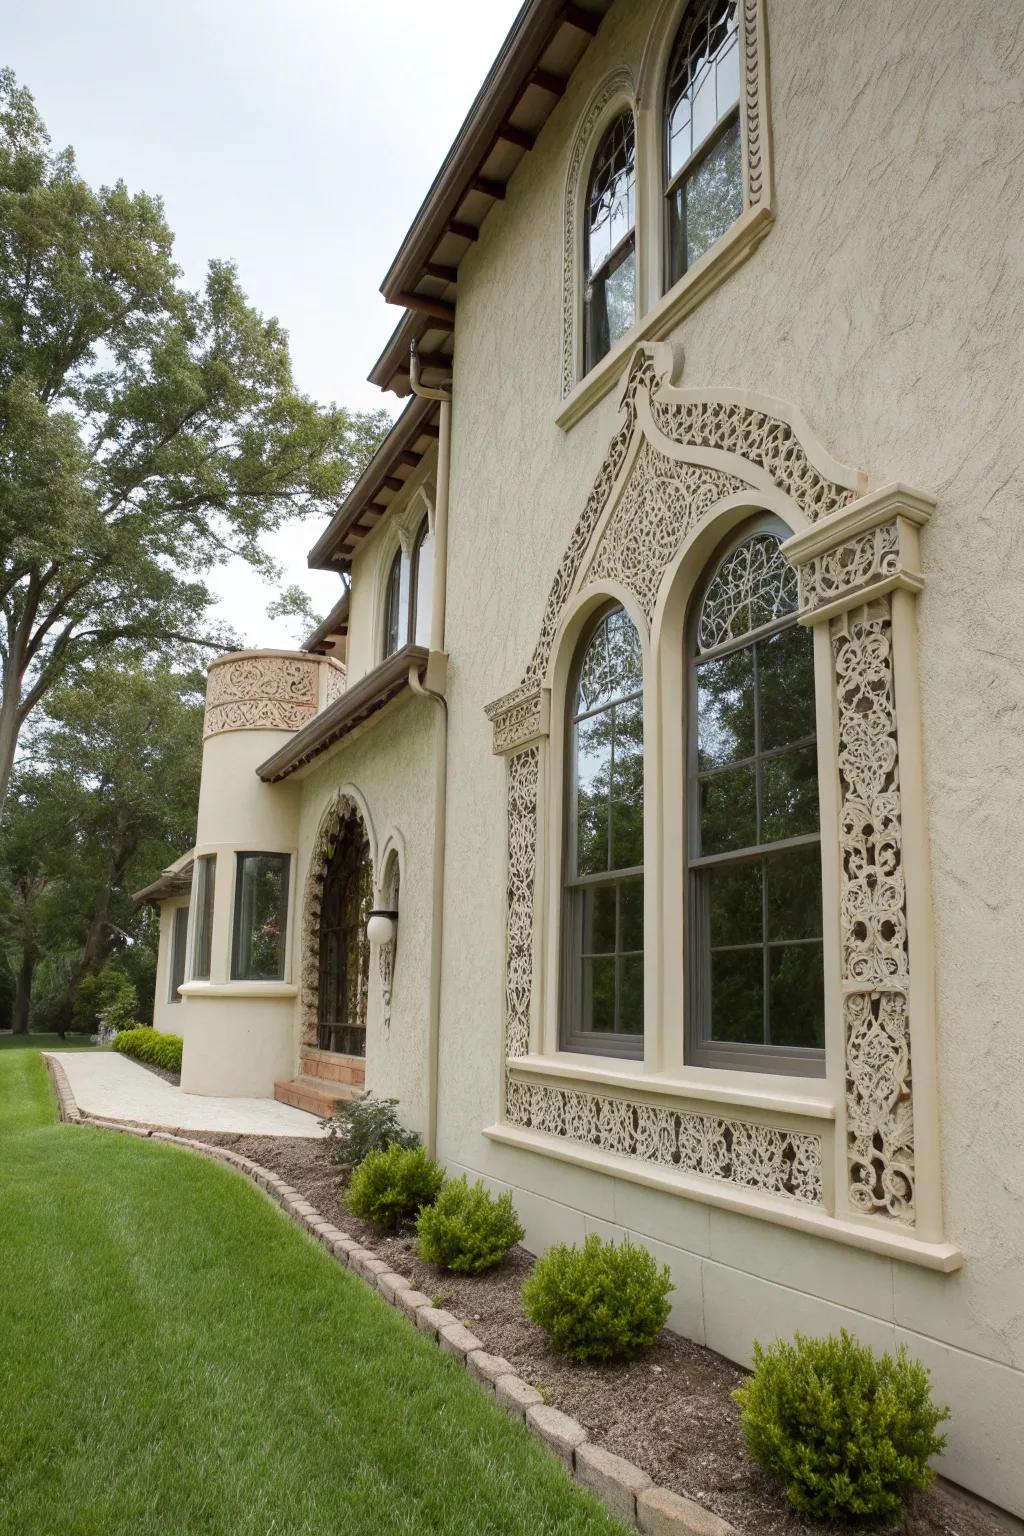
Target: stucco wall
<point>167,1011</point>
<point>887,303</point>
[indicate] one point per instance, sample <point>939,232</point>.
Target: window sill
<point>804,1097</point>
<point>943,1257</point>
<point>238,989</point>
<point>692,289</point>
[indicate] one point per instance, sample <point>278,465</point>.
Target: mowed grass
<point>176,1357</point>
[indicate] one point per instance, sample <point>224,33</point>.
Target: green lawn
<point>176,1357</point>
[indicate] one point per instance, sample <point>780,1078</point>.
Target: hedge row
<point>149,1045</point>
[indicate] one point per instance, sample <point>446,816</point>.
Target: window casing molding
<point>685,468</point>
<point>661,307</point>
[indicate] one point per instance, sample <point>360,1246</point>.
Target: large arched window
<point>344,958</point>
<point>610,251</point>
<point>603,914</point>
<point>703,157</point>
<point>755,929</point>
<point>396,608</point>
<point>422,585</point>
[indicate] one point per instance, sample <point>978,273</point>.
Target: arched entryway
<point>343,953</point>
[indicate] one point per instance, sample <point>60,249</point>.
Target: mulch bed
<point>670,1412</point>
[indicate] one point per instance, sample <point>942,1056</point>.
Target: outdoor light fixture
<point>380,925</point>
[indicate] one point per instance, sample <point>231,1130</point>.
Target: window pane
<point>179,936</point>
<point>789,795</point>
<point>593,779</point>
<point>612,666</point>
<point>422,597</point>
<point>753,586</point>
<point>631,995</point>
<point>612,192</point>
<point>785,673</point>
<point>728,811</point>
<point>631,915</point>
<point>737,996</point>
<point>205,872</point>
<point>725,709</point>
<point>628,786</point>
<point>796,995</point>
<point>610,306</point>
<point>599,920</point>
<point>599,995</point>
<point>734,904</point>
<point>793,897</point>
<point>261,900</point>
<point>393,608</point>
<point>703,78</point>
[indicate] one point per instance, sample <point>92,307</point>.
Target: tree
<point>146,432</point>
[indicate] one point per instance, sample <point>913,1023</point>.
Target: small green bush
<point>364,1126</point>
<point>598,1302</point>
<point>149,1045</point>
<point>392,1185</point>
<point>105,999</point>
<point>466,1229</point>
<point>848,1433</point>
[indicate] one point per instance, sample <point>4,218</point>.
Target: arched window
<point>755,927</point>
<point>422,585</point>
<point>603,970</point>
<point>610,254</point>
<point>344,968</point>
<point>703,158</point>
<point>396,605</point>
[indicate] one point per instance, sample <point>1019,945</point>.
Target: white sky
<point>295,137</point>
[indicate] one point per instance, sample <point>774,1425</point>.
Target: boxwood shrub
<point>848,1433</point>
<point>467,1229</point>
<point>601,1301</point>
<point>392,1185</point>
<point>149,1045</point>
<point>363,1126</point>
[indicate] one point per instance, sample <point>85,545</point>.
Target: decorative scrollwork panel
<point>523,782</point>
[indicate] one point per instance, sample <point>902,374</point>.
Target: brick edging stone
<point>625,1489</point>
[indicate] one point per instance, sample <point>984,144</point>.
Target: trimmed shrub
<point>149,1045</point>
<point>848,1433</point>
<point>364,1126</point>
<point>466,1229</point>
<point>107,999</point>
<point>598,1302</point>
<point>392,1185</point>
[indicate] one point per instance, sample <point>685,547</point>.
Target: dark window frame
<point>594,347</point>
<point>701,1049</point>
<point>572,1036</point>
<point>392,638</point>
<point>178,953</point>
<point>341,939</point>
<point>239,936</point>
<point>205,886</point>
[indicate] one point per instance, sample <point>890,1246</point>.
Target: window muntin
<point>422,585</point>
<point>204,880</point>
<point>603,910</point>
<point>610,256</point>
<point>703,153</point>
<point>179,939</point>
<point>260,917</point>
<point>755,926</point>
<point>396,607</point>
<point>344,957</point>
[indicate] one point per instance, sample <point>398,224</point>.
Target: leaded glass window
<point>703,156</point>
<point>610,302</point>
<point>755,925</point>
<point>603,972</point>
<point>396,607</point>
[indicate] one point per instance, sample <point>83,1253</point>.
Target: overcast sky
<point>295,137</point>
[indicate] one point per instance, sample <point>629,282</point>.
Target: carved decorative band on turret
<point>261,691</point>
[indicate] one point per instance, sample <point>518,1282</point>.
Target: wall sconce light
<point>380,926</point>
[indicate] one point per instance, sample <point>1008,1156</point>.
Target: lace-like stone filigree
<point>752,587</point>
<point>523,776</point>
<point>873,919</point>
<point>870,557</point>
<point>761,1157</point>
<point>268,693</point>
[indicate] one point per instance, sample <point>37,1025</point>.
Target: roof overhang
<point>356,705</point>
<point>175,880</point>
<point>546,42</point>
<point>331,634</point>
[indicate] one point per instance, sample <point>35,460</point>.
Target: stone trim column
<point>859,574</point>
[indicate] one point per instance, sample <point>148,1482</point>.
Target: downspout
<point>431,686</point>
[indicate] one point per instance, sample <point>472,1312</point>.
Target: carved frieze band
<point>873,918</point>
<point>770,1159</point>
<point>261,693</point>
<point>517,720</point>
<point>523,780</point>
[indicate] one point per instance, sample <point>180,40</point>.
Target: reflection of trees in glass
<point>604,918</point>
<point>611,250</point>
<point>261,909</point>
<point>757,911</point>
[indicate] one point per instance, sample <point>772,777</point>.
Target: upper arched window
<point>396,607</point>
<point>610,297</point>
<point>603,970</point>
<point>703,159</point>
<point>422,585</point>
<point>755,926</point>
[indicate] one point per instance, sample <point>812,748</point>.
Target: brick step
<point>315,1095</point>
<point>331,1066</point>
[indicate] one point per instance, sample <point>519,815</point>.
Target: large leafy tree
<point>146,432</point>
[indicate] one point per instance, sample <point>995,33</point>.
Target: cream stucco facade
<point>846,359</point>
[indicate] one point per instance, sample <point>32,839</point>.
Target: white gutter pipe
<point>428,688</point>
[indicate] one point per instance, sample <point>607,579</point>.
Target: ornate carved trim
<point>763,1157</point>
<point>338,809</point>
<point>387,953</point>
<point>861,553</point>
<point>757,167</point>
<point>523,780</point>
<point>261,692</point>
<point>522,720</point>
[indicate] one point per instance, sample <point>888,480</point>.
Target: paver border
<point>625,1490</point>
